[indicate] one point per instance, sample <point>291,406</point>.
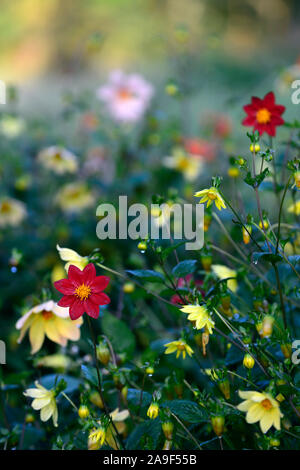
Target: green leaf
<point>265,256</point>
<point>167,251</point>
<point>184,268</point>
<point>147,275</point>
<point>51,380</point>
<point>90,373</point>
<point>121,337</point>
<point>186,410</point>
<point>134,396</point>
<point>147,433</point>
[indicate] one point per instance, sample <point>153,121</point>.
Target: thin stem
<point>186,430</point>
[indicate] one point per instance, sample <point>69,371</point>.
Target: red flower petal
<point>66,301</point>
<point>91,309</point>
<point>256,102</point>
<point>269,100</point>
<point>279,109</point>
<point>99,283</point>
<point>64,286</point>
<point>89,273</point>
<point>102,298</point>
<point>76,309</point>
<point>75,275</point>
<point>249,121</point>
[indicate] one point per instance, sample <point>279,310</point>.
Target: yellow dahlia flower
<point>188,165</point>
<point>74,197</point>
<point>58,159</point>
<point>66,254</point>
<point>97,437</point>
<point>44,400</point>
<point>295,208</point>
<point>261,407</point>
<point>51,320</point>
<point>223,273</point>
<point>180,347</point>
<point>12,212</point>
<point>200,315</point>
<point>211,195</point>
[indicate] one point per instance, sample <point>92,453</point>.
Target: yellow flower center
<point>266,404</point>
<point>58,156</point>
<point>5,207</point>
<point>211,195</point>
<point>183,163</point>
<point>263,116</point>
<point>47,315</point>
<point>181,347</point>
<point>124,94</point>
<point>83,292</point>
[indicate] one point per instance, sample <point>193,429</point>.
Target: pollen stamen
<point>83,292</point>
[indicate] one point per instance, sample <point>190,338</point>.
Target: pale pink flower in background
<point>126,96</point>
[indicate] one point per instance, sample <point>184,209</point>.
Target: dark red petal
<point>279,109</point>
<point>256,102</point>
<point>76,309</point>
<point>269,100</point>
<point>271,129</point>
<point>101,298</point>
<point>91,309</point>
<point>277,120</point>
<point>248,108</point>
<point>249,121</point>
<point>64,286</point>
<point>89,273</point>
<point>75,275</point>
<point>66,301</point>
<point>100,283</point>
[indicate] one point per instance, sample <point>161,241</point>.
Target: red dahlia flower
<point>83,291</point>
<point>264,115</point>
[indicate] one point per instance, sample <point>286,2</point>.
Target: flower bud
<point>274,442</point>
<point>149,370</point>
<point>171,89</point>
<point>206,262</point>
<point>168,428</point>
<point>207,222</point>
<point>267,326</point>
<point>255,148</point>
<point>124,393</point>
<point>218,423</point>
<point>225,301</point>
<point>128,287</point>
<point>265,224</point>
<point>286,350</point>
<point>29,418</point>
<point>142,246</point>
<point>153,411</point>
<point>280,397</point>
<point>178,389</point>
<point>224,387</point>
<point>233,172</point>
<point>246,234</point>
<point>95,398</point>
<point>83,412</point>
<point>103,353</point>
<point>297,179</point>
<point>248,361</point>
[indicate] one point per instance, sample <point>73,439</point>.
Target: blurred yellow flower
<point>59,362</point>
<point>180,347</point>
<point>190,166</point>
<point>57,273</point>
<point>58,159</point>
<point>74,197</point>
<point>44,400</point>
<point>98,436</point>
<point>211,195</point>
<point>223,272</point>
<point>66,254</point>
<point>261,407</point>
<point>51,320</point>
<point>11,126</point>
<point>295,208</point>
<point>200,315</point>
<point>12,212</point>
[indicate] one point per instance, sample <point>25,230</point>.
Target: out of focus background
<point>50,45</point>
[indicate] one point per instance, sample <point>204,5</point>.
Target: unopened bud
<point>267,326</point>
<point>297,179</point>
<point>153,411</point>
<point>142,246</point>
<point>103,353</point>
<point>274,442</point>
<point>167,445</point>
<point>248,361</point>
<point>255,148</point>
<point>83,412</point>
<point>224,387</point>
<point>225,301</point>
<point>247,230</point>
<point>95,398</point>
<point>206,261</point>
<point>29,418</point>
<point>218,423</point>
<point>128,287</point>
<point>286,350</point>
